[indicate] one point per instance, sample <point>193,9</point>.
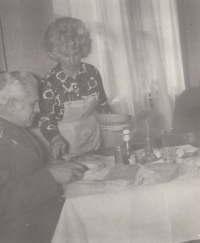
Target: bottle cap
<point>126,132</point>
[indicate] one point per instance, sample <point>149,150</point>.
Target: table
<point>161,213</point>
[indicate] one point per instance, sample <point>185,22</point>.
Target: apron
<point>79,125</point>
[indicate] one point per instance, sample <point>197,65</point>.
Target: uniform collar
<point>8,126</point>
<point>19,136</point>
<point>14,132</point>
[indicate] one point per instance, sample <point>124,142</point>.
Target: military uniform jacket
<point>24,181</point>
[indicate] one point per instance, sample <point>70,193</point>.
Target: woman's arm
<point>50,107</point>
<point>103,106</point>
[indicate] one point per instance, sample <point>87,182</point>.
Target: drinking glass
<point>139,156</point>
<point>168,154</point>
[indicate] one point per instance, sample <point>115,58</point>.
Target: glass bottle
<point>128,153</point>
<point>149,153</point>
<point>118,155</point>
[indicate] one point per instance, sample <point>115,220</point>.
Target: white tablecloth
<point>163,213</point>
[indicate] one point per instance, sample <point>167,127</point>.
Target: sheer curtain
<point>136,49</point>
<point>3,66</point>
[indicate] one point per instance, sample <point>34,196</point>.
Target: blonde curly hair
<point>66,34</point>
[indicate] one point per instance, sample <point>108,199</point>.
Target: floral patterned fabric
<point>57,88</point>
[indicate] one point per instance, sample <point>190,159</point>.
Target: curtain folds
<point>3,66</point>
<point>136,48</point>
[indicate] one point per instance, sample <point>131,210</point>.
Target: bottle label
<point>126,137</point>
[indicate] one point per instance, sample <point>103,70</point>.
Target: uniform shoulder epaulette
<point>1,131</point>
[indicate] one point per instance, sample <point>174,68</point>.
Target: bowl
<point>93,167</point>
<point>113,119</point>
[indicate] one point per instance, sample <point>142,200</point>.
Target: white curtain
<point>3,66</point>
<point>136,49</point>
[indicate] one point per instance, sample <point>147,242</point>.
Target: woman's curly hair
<point>65,34</point>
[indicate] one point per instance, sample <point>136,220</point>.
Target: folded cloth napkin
<point>120,176</point>
<point>159,173</point>
<point>123,172</point>
<point>192,163</point>
<point>123,175</point>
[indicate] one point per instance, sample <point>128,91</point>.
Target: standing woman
<point>72,91</point>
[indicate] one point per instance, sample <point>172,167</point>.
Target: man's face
<point>26,109</point>
<point>71,60</point>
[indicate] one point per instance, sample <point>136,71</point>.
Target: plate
<point>93,166</point>
<point>188,148</point>
<point>120,126</point>
<point>126,125</point>
<point>90,158</point>
<point>115,128</point>
<point>85,158</point>
<point>113,119</point>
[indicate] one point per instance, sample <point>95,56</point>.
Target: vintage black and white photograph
<point>99,121</point>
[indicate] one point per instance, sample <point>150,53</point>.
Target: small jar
<point>118,155</point>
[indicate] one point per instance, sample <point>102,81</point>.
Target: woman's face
<point>70,61</point>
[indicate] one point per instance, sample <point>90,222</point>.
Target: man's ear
<point>11,105</point>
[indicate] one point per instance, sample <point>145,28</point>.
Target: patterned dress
<point>57,88</point>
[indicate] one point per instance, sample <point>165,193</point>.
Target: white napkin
<point>192,163</point>
<point>122,176</point>
<point>188,148</point>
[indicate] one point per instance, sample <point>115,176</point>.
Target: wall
<point>189,22</point>
<point>24,23</point>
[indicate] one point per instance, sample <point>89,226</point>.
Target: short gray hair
<point>14,85</point>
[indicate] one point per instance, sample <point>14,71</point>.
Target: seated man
<point>186,114</point>
<point>29,202</point>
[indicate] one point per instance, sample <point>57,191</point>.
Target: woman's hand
<point>59,146</point>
